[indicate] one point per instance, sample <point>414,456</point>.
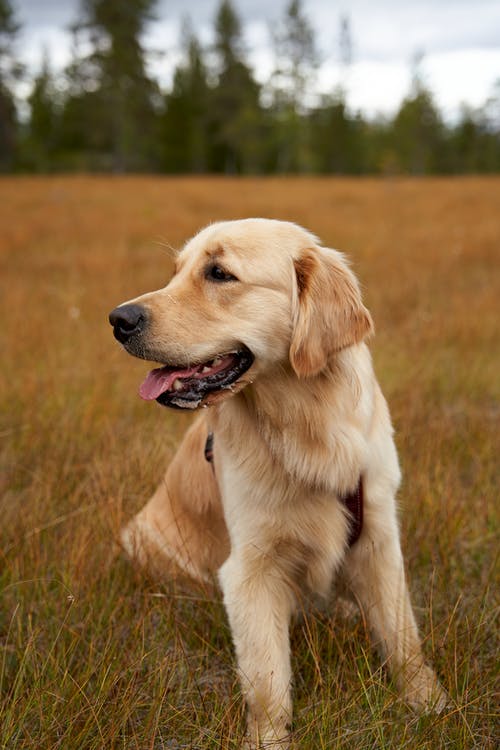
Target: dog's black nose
<point>127,320</point>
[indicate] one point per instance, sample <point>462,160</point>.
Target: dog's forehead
<point>249,239</point>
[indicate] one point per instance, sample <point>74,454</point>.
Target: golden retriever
<point>268,328</point>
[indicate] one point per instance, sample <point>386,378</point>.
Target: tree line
<point>104,112</point>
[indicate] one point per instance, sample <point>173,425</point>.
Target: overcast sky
<point>460,40</point>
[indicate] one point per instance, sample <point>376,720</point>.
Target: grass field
<point>96,655</point>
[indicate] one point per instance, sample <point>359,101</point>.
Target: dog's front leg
<point>259,603</point>
<point>377,577</point>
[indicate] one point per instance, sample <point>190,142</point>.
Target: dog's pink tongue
<point>160,380</point>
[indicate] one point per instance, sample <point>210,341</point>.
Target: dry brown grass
<point>96,656</point>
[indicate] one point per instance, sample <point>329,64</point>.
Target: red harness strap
<point>353,502</point>
<point>209,449</point>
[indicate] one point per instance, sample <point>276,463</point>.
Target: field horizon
<point>98,655</point>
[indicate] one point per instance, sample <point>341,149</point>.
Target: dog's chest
<point>303,455</point>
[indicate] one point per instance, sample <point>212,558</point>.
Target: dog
<point>267,327</point>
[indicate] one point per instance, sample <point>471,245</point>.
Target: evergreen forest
<point>105,113</point>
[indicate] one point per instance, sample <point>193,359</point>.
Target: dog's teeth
<point>206,369</point>
<point>216,362</point>
<point>177,385</point>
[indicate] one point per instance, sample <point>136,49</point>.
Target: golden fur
<point>298,430</point>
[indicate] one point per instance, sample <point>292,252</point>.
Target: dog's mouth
<point>190,387</point>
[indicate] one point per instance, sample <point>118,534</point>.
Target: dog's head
<point>246,297</point>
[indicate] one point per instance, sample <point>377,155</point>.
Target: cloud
<point>46,13</point>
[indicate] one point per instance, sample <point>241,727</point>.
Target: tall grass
<point>97,655</point>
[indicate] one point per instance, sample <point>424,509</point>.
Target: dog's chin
<point>190,387</point>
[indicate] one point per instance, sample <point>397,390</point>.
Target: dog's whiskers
<point>166,246</point>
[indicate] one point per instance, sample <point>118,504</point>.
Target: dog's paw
<point>424,694</point>
<point>269,739</point>
<point>272,744</point>
<point>346,608</point>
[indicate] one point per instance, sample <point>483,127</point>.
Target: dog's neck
<point>281,399</point>
<point>314,419</point>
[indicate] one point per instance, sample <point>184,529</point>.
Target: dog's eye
<point>216,273</point>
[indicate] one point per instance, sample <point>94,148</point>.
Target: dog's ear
<point>329,314</point>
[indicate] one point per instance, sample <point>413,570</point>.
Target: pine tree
<point>489,123</point>
<point>184,123</point>
<point>236,122</point>
<point>338,137</point>
<point>41,138</point>
<point>10,71</point>
<point>110,87</point>
<point>417,135</point>
<point>417,131</point>
<point>296,61</point>
<point>296,58</point>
